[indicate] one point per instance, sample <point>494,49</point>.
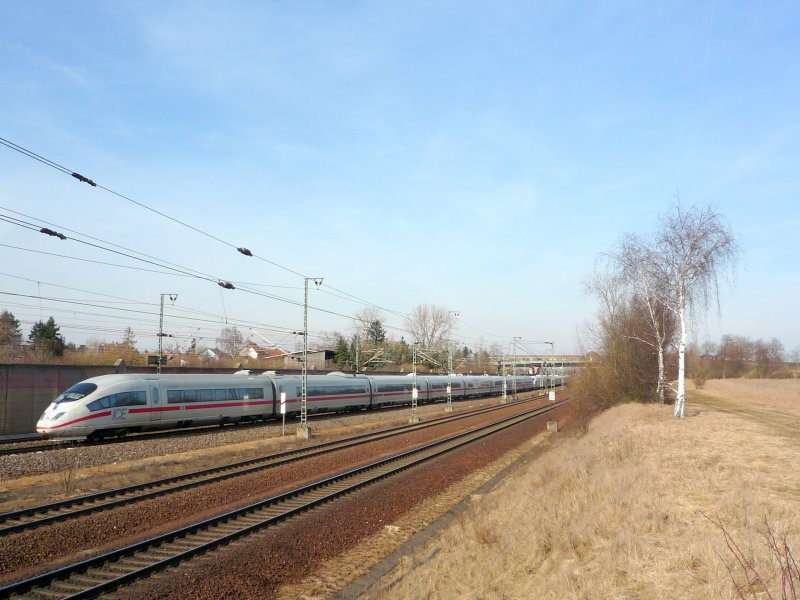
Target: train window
<point>205,395</point>
<point>189,395</point>
<point>334,390</point>
<point>222,394</point>
<point>100,404</point>
<point>394,387</point>
<point>129,399</point>
<point>173,396</point>
<point>76,392</point>
<point>122,399</point>
<point>117,400</point>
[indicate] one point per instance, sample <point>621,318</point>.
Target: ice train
<point>114,405</point>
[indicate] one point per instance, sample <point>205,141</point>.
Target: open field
<point>626,510</point>
<point>770,394</point>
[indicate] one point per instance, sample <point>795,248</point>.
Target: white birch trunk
<point>661,383</point>
<point>680,400</point>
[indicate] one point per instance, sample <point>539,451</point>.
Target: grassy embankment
<point>626,510</point>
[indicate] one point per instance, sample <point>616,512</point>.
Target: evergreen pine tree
<point>46,337</point>
<point>10,335</point>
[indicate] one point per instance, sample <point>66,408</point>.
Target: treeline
<point>43,342</point>
<point>739,356</point>
<point>368,348</point>
<point>353,354</point>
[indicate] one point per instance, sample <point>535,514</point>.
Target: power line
<point>161,262</point>
<point>129,311</point>
<point>79,177</point>
<point>242,250</point>
<point>97,262</point>
<point>186,271</point>
<point>35,156</point>
<point>242,322</point>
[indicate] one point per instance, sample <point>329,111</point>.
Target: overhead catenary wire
<point>185,271</point>
<point>88,260</point>
<point>215,318</point>
<point>154,305</point>
<point>34,156</point>
<point>242,250</point>
<point>154,314</point>
<point>165,264</point>
<point>148,257</point>
<point>213,280</point>
<point>18,223</point>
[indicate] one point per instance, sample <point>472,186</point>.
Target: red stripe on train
<point>86,418</point>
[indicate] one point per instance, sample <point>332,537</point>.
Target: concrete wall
<point>26,390</point>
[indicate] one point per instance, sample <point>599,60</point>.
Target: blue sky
<point>470,155</point>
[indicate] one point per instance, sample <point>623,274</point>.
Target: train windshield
<point>76,392</point>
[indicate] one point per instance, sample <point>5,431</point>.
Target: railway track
<point>23,446</point>
<point>107,572</point>
<point>37,516</point>
<point>30,448</point>
<point>39,446</point>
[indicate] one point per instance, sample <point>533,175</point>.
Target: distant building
<point>317,360</point>
<point>254,351</point>
<point>207,354</point>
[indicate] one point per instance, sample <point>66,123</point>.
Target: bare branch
<point>430,325</point>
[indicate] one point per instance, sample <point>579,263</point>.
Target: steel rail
<point>107,572</point>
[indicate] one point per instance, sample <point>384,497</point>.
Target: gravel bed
<point>41,463</point>
<point>258,566</point>
<point>28,552</point>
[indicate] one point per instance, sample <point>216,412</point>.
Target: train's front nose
<point>51,421</point>
<point>56,421</point>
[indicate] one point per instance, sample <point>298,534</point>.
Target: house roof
<point>267,352</point>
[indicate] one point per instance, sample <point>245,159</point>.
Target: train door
<point>156,400</point>
<point>372,399</point>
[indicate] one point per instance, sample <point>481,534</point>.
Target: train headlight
<point>56,417</point>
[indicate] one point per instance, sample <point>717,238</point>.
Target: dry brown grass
<point>619,513</point>
<point>778,394</point>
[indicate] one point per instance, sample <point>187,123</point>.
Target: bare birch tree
<point>693,248</point>
<point>430,325</point>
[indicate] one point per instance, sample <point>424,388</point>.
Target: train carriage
<point>209,399</point>
<point>389,390</point>
<point>327,393</point>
